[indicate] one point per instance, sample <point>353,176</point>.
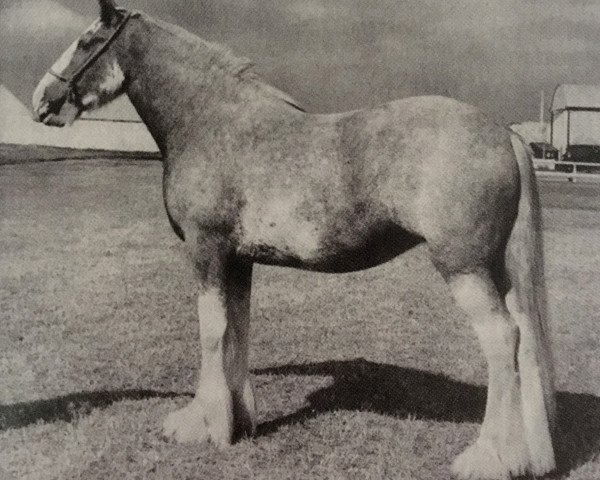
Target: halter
<point>71,81</point>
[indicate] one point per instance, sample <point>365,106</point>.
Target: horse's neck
<point>174,84</point>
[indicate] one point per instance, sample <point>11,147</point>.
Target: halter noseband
<point>70,81</point>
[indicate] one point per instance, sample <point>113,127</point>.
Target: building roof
<point>576,97</point>
<point>10,106</point>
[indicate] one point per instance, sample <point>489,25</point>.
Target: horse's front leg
<point>223,408</point>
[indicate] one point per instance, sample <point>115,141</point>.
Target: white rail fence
<point>571,171</point>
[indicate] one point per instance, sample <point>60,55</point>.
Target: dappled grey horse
<point>250,177</point>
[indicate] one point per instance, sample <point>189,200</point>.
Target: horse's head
<point>87,75</point>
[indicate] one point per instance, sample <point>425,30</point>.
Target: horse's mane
<point>225,60</point>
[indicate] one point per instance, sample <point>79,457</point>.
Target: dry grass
<point>370,375</point>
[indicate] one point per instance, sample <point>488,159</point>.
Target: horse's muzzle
<point>59,115</point>
<point>52,120</point>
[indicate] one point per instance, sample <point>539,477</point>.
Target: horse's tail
<point>526,302</point>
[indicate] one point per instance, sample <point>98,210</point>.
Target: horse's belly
<point>275,235</point>
<point>360,249</point>
<point>318,247</point>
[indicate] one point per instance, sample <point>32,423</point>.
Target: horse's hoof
<point>186,425</point>
<point>481,461</point>
<point>201,421</point>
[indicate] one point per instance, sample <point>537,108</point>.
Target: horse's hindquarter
<point>468,190</point>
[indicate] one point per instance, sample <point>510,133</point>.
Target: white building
<point>575,116</point>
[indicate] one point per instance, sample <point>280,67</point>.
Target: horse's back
<point>425,153</point>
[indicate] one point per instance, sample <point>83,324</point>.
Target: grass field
<point>371,375</point>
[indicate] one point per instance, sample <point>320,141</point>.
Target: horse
<point>251,177</point>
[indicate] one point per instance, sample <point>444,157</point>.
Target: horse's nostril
<point>39,116</point>
<point>46,108</point>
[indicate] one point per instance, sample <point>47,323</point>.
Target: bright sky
<point>335,55</point>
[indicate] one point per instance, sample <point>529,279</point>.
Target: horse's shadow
<point>68,407</point>
<point>361,385</point>
<point>358,385</point>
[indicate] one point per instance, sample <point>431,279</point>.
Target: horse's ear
<point>108,11</point>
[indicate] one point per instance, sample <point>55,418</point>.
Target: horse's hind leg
<point>501,449</point>
<point>223,407</point>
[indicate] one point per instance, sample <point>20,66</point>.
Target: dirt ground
<point>366,375</point>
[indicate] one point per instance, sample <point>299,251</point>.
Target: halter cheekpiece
<point>70,81</point>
